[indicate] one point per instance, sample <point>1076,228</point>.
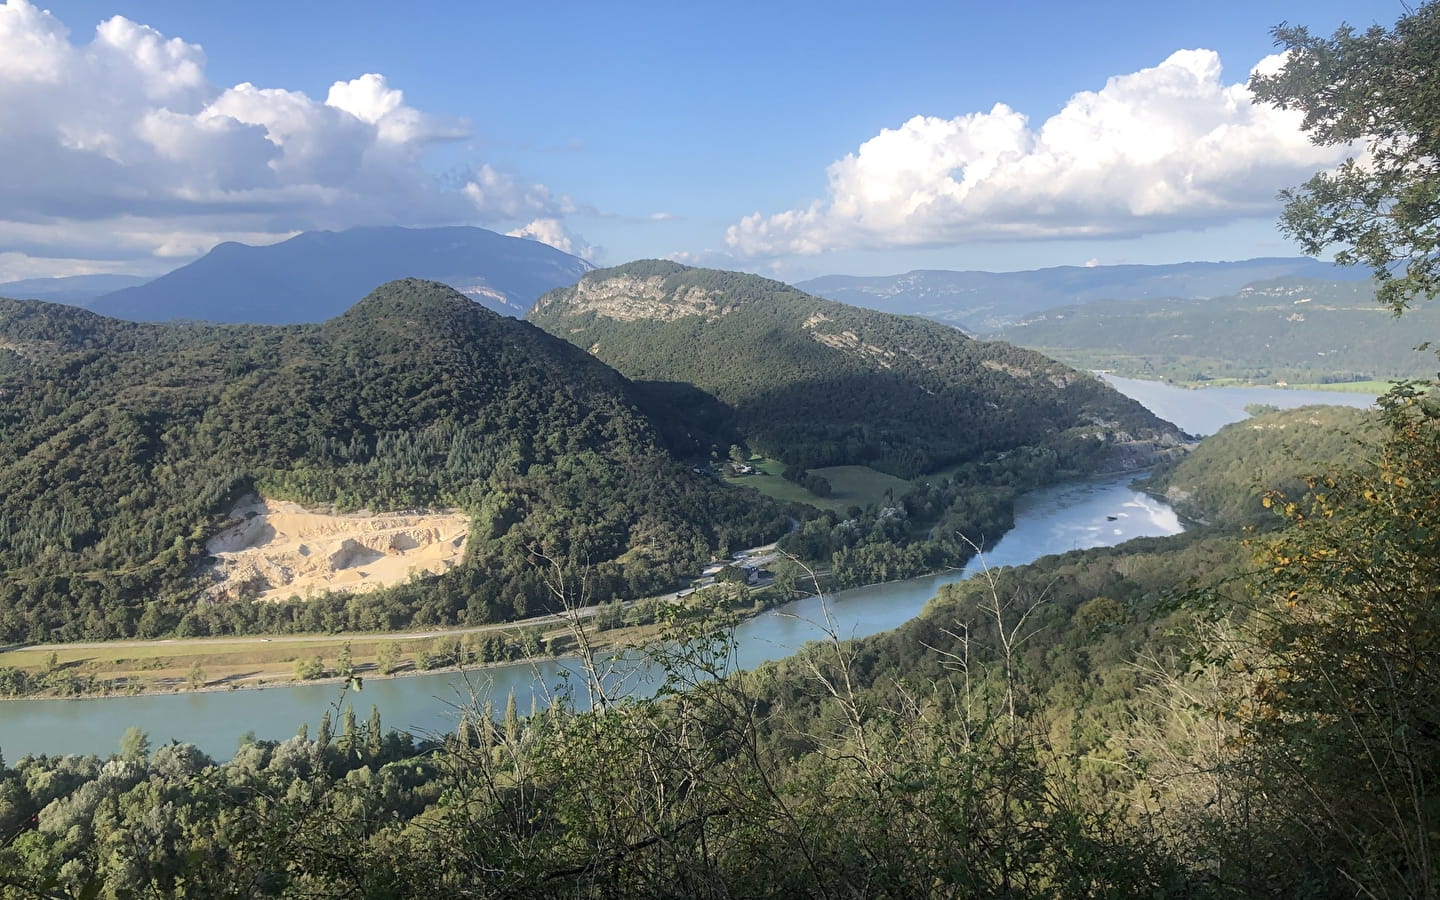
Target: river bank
<point>104,670</point>
<point>1051,520</point>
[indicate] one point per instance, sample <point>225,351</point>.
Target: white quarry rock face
<point>280,549</point>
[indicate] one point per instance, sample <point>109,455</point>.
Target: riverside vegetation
<point>1226,713</point>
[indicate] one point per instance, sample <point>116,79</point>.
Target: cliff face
<point>1126,456</point>
<point>632,298</point>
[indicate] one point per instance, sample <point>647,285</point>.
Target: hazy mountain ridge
<point>124,444</point>
<point>1289,329</point>
<point>316,275</point>
<point>820,383</point>
<point>985,301</point>
<point>76,290</point>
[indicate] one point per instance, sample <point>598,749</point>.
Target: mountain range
<point>985,301</point>
<point>76,290</point>
<point>1298,330</point>
<point>318,274</point>
<point>127,446</point>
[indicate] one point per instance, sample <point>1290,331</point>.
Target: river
<point>1053,520</point>
<point>1206,410</point>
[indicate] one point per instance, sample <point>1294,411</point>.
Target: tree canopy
<point>1377,90</point>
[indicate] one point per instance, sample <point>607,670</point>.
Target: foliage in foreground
<point>1378,87</point>
<point>705,791</point>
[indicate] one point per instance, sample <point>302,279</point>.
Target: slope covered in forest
<point>123,447</point>
<point>1225,479</point>
<point>817,383</point>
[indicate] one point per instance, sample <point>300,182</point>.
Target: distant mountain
<point>984,301</point>
<point>76,290</point>
<point>316,275</point>
<point>125,446</point>
<point>817,383</point>
<point>1289,329</point>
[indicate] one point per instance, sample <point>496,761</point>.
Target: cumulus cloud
<point>554,233</point>
<point>124,134</point>
<point>1165,148</point>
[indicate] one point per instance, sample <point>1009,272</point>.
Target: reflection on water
<point>1053,520</point>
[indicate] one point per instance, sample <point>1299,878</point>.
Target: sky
<point>793,139</point>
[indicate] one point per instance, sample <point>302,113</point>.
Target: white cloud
<point>125,135</point>
<point>554,233</point>
<point>1165,148</point>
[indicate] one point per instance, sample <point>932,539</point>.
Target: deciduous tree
<point>1377,90</point>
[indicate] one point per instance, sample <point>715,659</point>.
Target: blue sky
<point>795,139</point>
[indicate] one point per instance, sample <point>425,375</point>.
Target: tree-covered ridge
<point>122,445</point>
<point>1225,479</point>
<point>1295,330</point>
<point>817,383</point>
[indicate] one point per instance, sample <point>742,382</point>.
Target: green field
<point>850,485</point>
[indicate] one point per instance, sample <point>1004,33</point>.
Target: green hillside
<point>1224,479</point>
<point>1299,331</point>
<point>122,445</point>
<point>816,383</point>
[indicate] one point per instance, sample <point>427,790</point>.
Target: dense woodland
<point>726,356</point>
<point>124,446</point>
<point>816,383</point>
<point>1225,478</point>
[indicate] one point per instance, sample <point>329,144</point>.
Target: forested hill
<point>1225,479</point>
<point>122,446</point>
<point>817,383</point>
